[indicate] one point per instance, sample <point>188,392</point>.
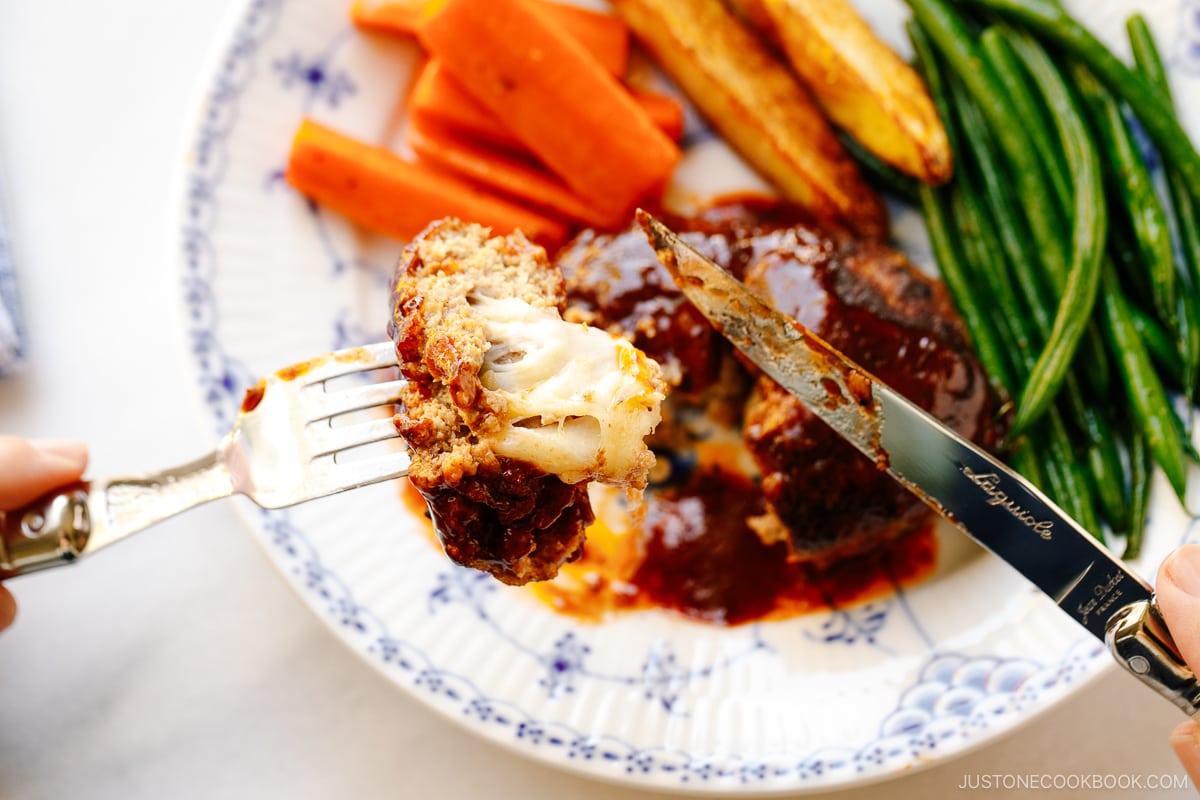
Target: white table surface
<point>180,665</point>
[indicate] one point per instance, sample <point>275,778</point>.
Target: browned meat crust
<point>614,281</point>
<point>823,497</point>
<point>492,513</point>
<point>868,301</point>
<point>510,411</point>
<point>510,519</point>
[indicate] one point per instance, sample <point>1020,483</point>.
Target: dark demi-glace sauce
<point>690,548</point>
<point>695,555</point>
<point>703,561</point>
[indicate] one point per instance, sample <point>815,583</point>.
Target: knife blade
<point>980,495</point>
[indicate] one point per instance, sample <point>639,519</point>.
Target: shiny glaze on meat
<point>507,514</point>
<point>615,281</point>
<point>702,559</point>
<point>811,522</point>
<point>695,555</point>
<point>867,301</point>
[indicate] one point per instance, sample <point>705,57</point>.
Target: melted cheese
<point>577,401</point>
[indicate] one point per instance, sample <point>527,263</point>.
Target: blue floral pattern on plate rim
<point>953,700</point>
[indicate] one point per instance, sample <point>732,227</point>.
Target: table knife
<point>977,493</point>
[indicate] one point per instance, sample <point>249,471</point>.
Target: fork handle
<point>49,531</point>
<point>79,519</point>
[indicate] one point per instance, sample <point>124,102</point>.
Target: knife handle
<point>1141,643</point>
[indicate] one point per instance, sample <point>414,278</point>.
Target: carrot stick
<point>555,98</point>
<point>438,100</point>
<point>384,193</point>
<point>508,174</point>
<point>388,16</point>
<point>664,110</point>
<point>604,36</point>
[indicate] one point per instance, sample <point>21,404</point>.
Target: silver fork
<point>284,448</point>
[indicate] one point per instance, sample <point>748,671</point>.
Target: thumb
<point>1177,592</point>
<point>1185,741</point>
<point>30,468</point>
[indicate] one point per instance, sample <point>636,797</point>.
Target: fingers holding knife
<point>1178,594</point>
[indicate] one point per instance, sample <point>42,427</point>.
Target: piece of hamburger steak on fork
<point>510,411</point>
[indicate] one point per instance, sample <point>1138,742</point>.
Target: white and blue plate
<point>647,699</point>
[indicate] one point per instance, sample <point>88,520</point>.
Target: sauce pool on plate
<point>694,554</point>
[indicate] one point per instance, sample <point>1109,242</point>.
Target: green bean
<point>1125,254</point>
<point>1054,462</point>
<point>1128,172</point>
<point>1187,220</point>
<point>990,349</point>
<point>1189,448</point>
<point>1010,226</point>
<point>1185,206</point>
<point>1051,21</point>
<point>1140,481</point>
<point>1088,236</point>
<point>1145,54</point>
<point>1054,469</point>
<point>1057,98</point>
<point>929,65</point>
<point>988,346</point>
<point>982,253</point>
<point>1013,235</point>
<point>1045,213</point>
<point>1106,468</point>
<point>1027,464</point>
<point>1095,366</point>
<point>1068,483</point>
<point>881,174</point>
<point>1189,334</point>
<point>1033,316</point>
<point>1075,488</point>
<point>949,34</point>
<point>1147,397</point>
<point>1158,344</point>
<point>999,52</point>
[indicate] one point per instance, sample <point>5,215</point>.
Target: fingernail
<point>1183,569</point>
<point>70,450</point>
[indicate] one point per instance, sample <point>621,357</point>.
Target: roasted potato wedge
<point>757,104</point>
<point>755,13</point>
<point>860,82</point>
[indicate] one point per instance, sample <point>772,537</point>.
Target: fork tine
<point>330,404</point>
<point>292,449</point>
<point>339,363</point>
<point>325,440</point>
<point>335,477</point>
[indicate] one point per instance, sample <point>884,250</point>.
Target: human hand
<point>1177,592</point>
<point>29,468</point>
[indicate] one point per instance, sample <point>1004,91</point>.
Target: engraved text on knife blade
<point>989,484</point>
